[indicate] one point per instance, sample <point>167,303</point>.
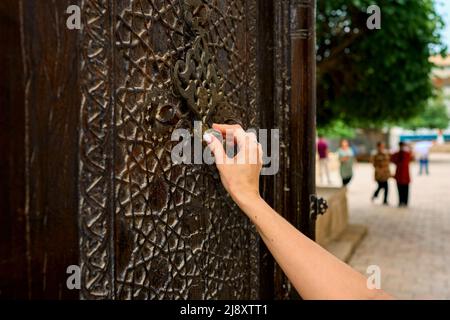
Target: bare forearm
<point>315,273</point>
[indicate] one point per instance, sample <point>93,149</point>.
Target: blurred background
<point>386,85</point>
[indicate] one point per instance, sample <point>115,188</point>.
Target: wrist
<point>247,199</point>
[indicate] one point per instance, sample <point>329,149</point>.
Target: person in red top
<point>402,158</point>
<point>322,150</point>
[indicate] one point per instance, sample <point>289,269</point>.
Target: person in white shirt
<point>422,150</point>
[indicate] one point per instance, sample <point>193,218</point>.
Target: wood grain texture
<point>45,138</point>
<point>13,271</point>
<point>302,113</point>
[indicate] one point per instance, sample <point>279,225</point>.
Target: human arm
<point>393,158</point>
<point>314,272</point>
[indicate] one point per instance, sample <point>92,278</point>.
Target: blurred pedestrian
<point>322,150</point>
<point>346,158</point>
<point>440,137</point>
<point>402,158</point>
<point>381,162</point>
<point>422,150</point>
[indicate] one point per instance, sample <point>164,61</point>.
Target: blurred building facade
<point>440,77</point>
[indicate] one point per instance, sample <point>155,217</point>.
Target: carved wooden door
<point>92,144</point>
<point>150,229</point>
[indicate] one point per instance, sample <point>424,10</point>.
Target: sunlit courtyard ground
<point>411,246</point>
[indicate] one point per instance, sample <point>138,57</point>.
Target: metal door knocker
<point>196,78</point>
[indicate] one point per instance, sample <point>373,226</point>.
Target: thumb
<point>216,148</point>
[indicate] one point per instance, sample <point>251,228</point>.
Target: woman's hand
<point>239,175</point>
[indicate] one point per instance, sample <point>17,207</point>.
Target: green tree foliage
<point>434,116</point>
<point>336,129</point>
<point>373,77</point>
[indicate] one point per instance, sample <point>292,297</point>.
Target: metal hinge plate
<point>317,205</point>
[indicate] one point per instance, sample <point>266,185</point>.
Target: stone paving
<point>410,245</point>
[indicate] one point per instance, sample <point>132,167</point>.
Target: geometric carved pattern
<point>150,229</point>
<point>95,134</point>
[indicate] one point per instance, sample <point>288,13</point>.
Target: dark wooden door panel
<point>41,166</point>
<point>13,269</point>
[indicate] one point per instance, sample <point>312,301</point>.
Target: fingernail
<point>207,137</point>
